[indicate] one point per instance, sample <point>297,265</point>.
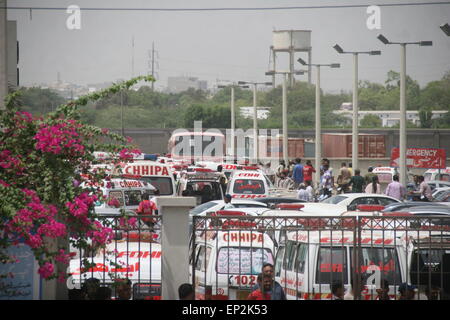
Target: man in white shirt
<point>227,200</point>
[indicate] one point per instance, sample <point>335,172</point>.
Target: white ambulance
<point>136,257</point>
<point>312,260</point>
<point>157,174</point>
<point>201,183</point>
<point>225,263</point>
<point>436,174</point>
<point>248,185</point>
<point>119,193</point>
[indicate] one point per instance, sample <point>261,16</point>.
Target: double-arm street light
<point>355,133</point>
<point>255,115</point>
<point>233,117</point>
<point>284,109</point>
<point>318,154</point>
<point>402,165</point>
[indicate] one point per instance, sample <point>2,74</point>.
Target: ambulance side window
<point>288,262</point>
<point>116,194</point>
<point>133,197</point>
<point>279,261</point>
<point>300,262</point>
<point>331,265</point>
<point>199,264</point>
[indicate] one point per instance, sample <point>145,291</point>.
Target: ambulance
<point>313,260</point>
<point>136,257</point>
<point>225,263</point>
<point>201,183</point>
<point>385,175</point>
<point>115,193</point>
<point>248,184</point>
<point>436,174</point>
<point>157,174</point>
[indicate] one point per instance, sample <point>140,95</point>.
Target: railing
<point>134,254</point>
<point>367,257</point>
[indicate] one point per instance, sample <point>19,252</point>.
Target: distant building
<point>179,84</point>
<point>389,118</point>
<point>261,112</point>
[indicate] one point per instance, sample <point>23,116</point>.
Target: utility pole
<point>3,53</point>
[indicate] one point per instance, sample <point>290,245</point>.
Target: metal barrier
<point>368,257</point>
<point>134,254</point>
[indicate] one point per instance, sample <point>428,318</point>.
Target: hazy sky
<point>231,45</point>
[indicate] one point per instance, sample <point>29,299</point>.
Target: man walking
<point>424,190</point>
<point>395,189</point>
<point>297,174</point>
<point>357,182</point>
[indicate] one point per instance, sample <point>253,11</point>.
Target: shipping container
<point>273,148</point>
<point>339,145</point>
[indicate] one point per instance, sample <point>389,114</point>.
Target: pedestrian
<point>90,288</point>
<point>407,292</point>
<point>344,178</point>
<point>383,291</point>
<point>277,293</point>
<point>308,170</point>
<point>327,181</point>
<point>302,194</point>
<point>186,292</point>
<point>227,200</point>
<point>123,289</point>
<point>310,191</point>
<point>147,208</point>
<point>395,189</point>
<point>368,176</point>
<point>373,187</point>
<point>297,174</point>
<point>424,190</point>
<point>337,291</point>
<point>269,172</point>
<point>290,168</point>
<point>281,168</point>
<point>264,288</point>
<point>223,184</point>
<point>222,174</point>
<point>350,168</point>
<point>285,182</point>
<point>357,182</point>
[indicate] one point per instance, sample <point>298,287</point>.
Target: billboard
<point>428,158</point>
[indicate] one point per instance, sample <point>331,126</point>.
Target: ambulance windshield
<point>164,185</point>
<point>232,260</point>
<point>248,186</point>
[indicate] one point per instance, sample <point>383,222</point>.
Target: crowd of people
<point>297,176</point>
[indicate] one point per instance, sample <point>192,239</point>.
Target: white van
<point>123,193</point>
<point>311,261</point>
<point>158,174</point>
<point>139,261</point>
<point>436,174</point>
<point>226,263</point>
<point>248,185</point>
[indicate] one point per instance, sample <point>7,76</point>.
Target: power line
<point>237,8</point>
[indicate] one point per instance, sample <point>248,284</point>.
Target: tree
<point>41,200</point>
<point>370,121</point>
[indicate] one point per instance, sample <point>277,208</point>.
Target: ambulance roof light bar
<point>289,206</point>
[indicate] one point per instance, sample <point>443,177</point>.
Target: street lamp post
<point>355,129</point>
<point>255,116</point>
<point>284,110</point>
<point>233,117</point>
<point>318,154</point>
<point>402,164</point>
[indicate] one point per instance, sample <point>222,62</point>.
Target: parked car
<point>352,200</point>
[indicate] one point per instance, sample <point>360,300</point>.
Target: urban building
<point>180,84</point>
<point>261,112</point>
